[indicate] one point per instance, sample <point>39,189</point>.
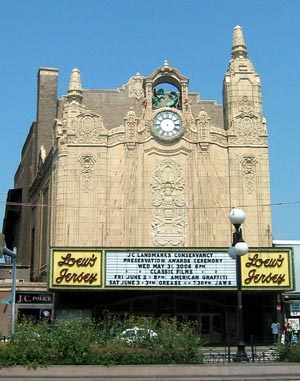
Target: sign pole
<point>13,254</point>
<point>13,293</point>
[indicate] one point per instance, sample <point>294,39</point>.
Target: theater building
<point>121,200</point>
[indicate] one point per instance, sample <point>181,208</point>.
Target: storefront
<point>35,305</point>
<point>289,301</point>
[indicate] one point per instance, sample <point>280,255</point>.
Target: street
<point>207,372</point>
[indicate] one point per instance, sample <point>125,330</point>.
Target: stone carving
<point>218,137</point>
<point>246,106</point>
<point>116,137</point>
<point>249,173</point>
<point>86,172</point>
<point>247,125</point>
<point>131,151</point>
<point>203,120</point>
<point>247,131</point>
<point>204,147</point>
<point>190,136</point>
<point>60,128</point>
<point>131,123</point>
<point>88,127</point>
<point>168,203</point>
<point>136,87</point>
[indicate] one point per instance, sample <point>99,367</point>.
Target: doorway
<point>211,327</point>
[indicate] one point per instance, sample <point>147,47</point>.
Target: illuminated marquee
<point>267,269</point>
<point>75,268</point>
<point>163,269</point>
<point>167,268</point>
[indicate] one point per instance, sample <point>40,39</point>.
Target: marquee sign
<point>267,269</point>
<point>153,268</point>
<point>75,268</point>
<point>150,268</point>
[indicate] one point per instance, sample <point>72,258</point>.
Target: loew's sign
<point>267,269</point>
<point>149,268</point>
<point>75,268</point>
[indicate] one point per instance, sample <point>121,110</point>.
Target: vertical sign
<point>71,268</point>
<point>267,269</point>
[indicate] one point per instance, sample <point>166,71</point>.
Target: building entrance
<point>211,327</point>
<point>208,318</point>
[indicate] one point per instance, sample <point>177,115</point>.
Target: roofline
<point>286,242</point>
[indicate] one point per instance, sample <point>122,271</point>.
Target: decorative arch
<point>170,76</point>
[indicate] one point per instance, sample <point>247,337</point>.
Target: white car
<point>137,334</point>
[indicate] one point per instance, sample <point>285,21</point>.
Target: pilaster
<point>247,142</point>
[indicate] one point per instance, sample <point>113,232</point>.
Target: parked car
<point>5,339</point>
<point>137,334</point>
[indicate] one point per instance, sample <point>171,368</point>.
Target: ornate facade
<point>117,180</point>
<point>149,164</point>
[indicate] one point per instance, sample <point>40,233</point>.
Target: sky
<point>111,40</point>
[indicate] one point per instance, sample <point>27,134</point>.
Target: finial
<point>239,49</point>
<point>166,63</point>
<point>75,81</point>
<point>75,91</point>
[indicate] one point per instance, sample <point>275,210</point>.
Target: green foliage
<point>7,355</point>
<point>289,352</point>
<point>180,342</point>
<point>83,343</point>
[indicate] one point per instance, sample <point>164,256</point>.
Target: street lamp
<point>239,248</point>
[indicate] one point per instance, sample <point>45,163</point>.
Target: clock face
<point>167,124</point>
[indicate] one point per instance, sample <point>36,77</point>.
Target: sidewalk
<point>205,372</point>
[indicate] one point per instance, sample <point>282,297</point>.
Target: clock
<point>167,124</point>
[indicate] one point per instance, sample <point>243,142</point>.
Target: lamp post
<point>239,248</point>
<point>13,255</point>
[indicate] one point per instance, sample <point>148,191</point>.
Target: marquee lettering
<point>258,262</point>
<point>66,276</point>
<point>255,277</point>
<point>68,260</point>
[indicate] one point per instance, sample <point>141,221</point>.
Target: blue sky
<point>111,40</point>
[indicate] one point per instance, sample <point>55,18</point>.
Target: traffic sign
<point>6,301</point>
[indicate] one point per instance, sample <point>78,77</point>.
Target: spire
<point>239,49</point>
<point>75,91</point>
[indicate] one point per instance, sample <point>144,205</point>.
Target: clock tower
<point>164,111</point>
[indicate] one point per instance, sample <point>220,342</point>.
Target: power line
<point>31,205</point>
